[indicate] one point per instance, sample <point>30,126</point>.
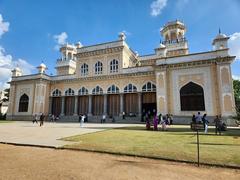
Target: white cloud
<point>234,45</point>
<point>60,39</point>
<point>7,64</point>
<point>236,77</point>
<point>157,7</point>
<point>3,26</point>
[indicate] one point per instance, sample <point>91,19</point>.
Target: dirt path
<point>41,163</point>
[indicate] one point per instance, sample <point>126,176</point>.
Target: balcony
<point>65,62</point>
<point>176,41</point>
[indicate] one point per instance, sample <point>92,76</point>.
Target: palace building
<point>110,79</point>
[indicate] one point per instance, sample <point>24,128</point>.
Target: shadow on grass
<point>186,131</point>
<point>214,144</point>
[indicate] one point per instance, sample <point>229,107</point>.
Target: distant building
<point>110,78</point>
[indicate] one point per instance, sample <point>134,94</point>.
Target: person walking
<point>160,118</point>
<point>205,122</point>
<point>35,119</point>
<point>82,120</point>
<point>218,124</point>
<point>155,123</point>
<point>52,118</point>
<point>42,119</point>
<point>123,115</point>
<point>147,122</point>
<point>163,123</point>
<point>171,119</point>
<point>194,119</point>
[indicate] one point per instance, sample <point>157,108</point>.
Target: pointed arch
<point>130,88</point>
<point>23,103</point>
<point>113,89</point>
<point>69,92</point>
<point>83,91</point>
<point>97,90</point>
<point>149,87</point>
<point>56,93</point>
<point>192,97</point>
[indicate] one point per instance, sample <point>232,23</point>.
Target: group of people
<point>219,125</point>
<point>54,118</point>
<point>164,121</point>
<point>39,117</point>
<point>198,119</point>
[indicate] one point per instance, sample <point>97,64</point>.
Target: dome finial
<point>219,31</point>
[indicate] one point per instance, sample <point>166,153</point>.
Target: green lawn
<point>5,121</point>
<point>177,143</point>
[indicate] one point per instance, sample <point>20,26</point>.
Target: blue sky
<point>33,27</point>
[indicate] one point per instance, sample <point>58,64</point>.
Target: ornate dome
<point>161,45</point>
<point>220,36</point>
<point>42,65</point>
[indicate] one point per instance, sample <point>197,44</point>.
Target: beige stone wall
<point>11,104</point>
<point>226,95</point>
<point>91,61</point>
<point>162,97</point>
<point>198,75</point>
<point>28,89</point>
<point>138,81</point>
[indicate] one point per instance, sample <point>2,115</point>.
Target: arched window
<point>84,70</point>
<point>114,66</point>
<point>113,89</point>
<point>130,88</point>
<point>83,91</point>
<point>97,90</point>
<point>69,56</point>
<point>192,97</point>
<point>23,103</point>
<point>56,93</point>
<point>69,92</point>
<point>149,87</point>
<point>98,68</point>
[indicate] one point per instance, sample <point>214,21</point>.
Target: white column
<point>76,106</point>
<point>139,104</point>
<point>90,105</point>
<point>105,104</point>
<point>63,104</point>
<point>121,103</point>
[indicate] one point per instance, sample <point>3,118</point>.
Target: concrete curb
<point>124,154</point>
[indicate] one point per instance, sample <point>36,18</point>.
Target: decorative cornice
<point>218,60</point>
<point>100,52</point>
<point>106,77</point>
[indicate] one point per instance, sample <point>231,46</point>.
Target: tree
<point>6,93</point>
<point>236,87</point>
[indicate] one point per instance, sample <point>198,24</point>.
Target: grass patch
<point>177,143</point>
<point>5,121</point>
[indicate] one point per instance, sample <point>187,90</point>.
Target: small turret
<point>42,68</point>
<point>78,44</point>
<point>161,50</point>
<point>121,36</point>
<point>220,41</point>
<point>16,72</point>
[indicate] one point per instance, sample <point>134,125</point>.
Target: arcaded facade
<point>110,78</point>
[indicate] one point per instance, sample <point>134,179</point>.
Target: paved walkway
<point>48,135</point>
